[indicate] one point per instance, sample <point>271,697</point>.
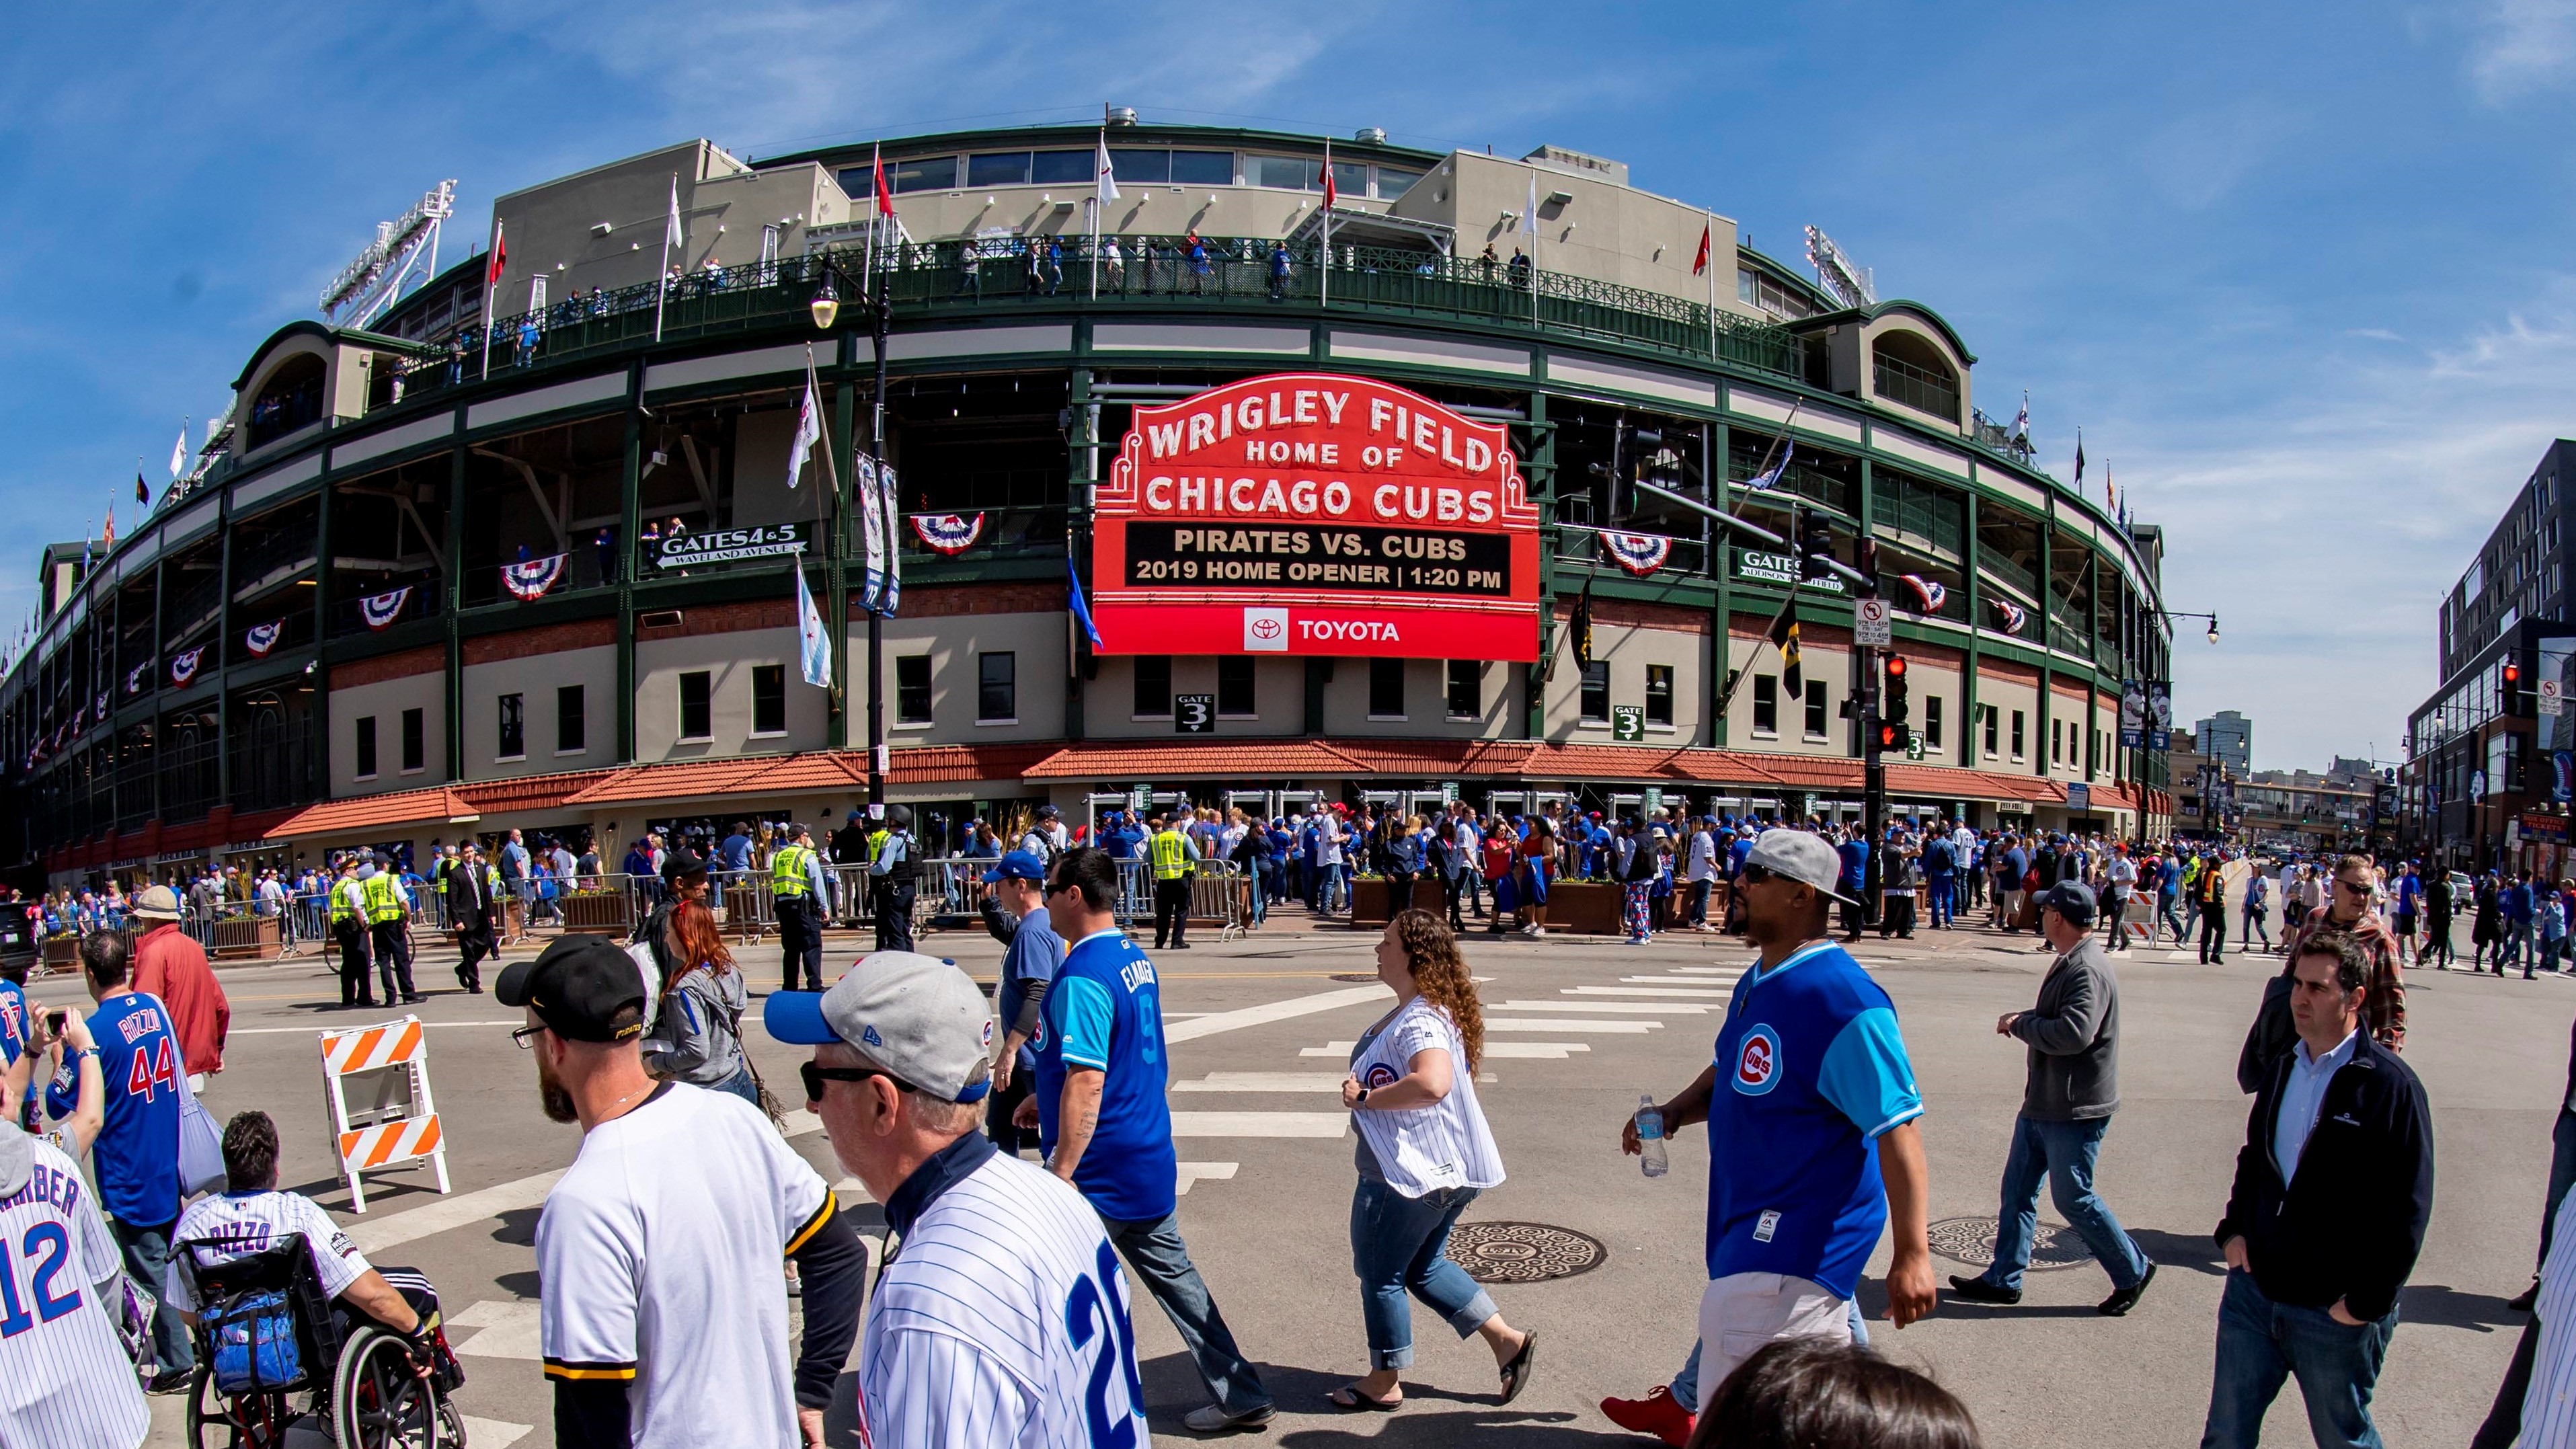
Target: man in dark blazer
<point>474,909</point>
<point>2334,1186</point>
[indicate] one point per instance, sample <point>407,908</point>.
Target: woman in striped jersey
<point>1424,1154</point>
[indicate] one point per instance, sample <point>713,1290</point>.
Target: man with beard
<point>686,1346</point>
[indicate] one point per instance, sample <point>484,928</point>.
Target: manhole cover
<point>1354,976</point>
<point>1522,1252</point>
<point>1972,1241</point>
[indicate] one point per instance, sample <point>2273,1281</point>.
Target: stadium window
<point>1659,694</point>
<point>926,173</point>
<point>1350,178</point>
<point>1386,689</point>
<point>697,705</point>
<point>1057,168</point>
<point>1153,686</point>
<point>572,728</point>
<point>512,743</point>
<point>1815,709</point>
<point>1202,168</point>
<point>1932,722</point>
<point>2020,722</point>
<point>1151,168</point>
<point>1393,182</point>
<point>1595,703</point>
<point>366,747</point>
<point>1001,168</point>
<point>912,689</point>
<point>415,741</point>
<point>769,699</point>
<point>1285,173</point>
<point>1766,705</point>
<point>1466,688</point>
<point>1234,687</point>
<point>997,688</point>
<point>1991,716</point>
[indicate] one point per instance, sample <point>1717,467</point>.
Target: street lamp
<point>826,306</point>
<point>2212,617</point>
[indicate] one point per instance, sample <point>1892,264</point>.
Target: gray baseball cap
<point>917,1016</point>
<point>2072,899</point>
<point>1800,856</point>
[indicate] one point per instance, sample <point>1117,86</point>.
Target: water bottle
<point>1651,1157</point>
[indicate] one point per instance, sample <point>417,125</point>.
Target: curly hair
<point>1441,974</point>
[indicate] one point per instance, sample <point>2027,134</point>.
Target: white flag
<point>179,455</point>
<point>809,431</point>
<point>1529,213</point>
<point>814,640</point>
<point>671,234</point>
<point>1107,178</point>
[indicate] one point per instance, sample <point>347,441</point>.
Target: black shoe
<point>170,1381</point>
<point>2124,1299</point>
<point>473,990</point>
<point>1180,945</point>
<point>1978,1290</point>
<point>413,1000</point>
<point>2521,1302</point>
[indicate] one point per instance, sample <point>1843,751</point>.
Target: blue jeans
<point>147,1260</point>
<point>1161,1261</point>
<point>2165,916</point>
<point>1943,890</point>
<point>1685,1385</point>
<point>2063,1153</point>
<point>2562,1173</point>
<point>2261,1342</point>
<point>1256,903</point>
<point>1398,1245</point>
<point>740,1084</point>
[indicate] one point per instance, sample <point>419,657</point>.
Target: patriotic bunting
<point>381,610</point>
<point>102,705</point>
<point>1931,592</point>
<point>134,678</point>
<point>1638,553</point>
<point>528,580</point>
<point>263,637</point>
<point>2012,616</point>
<point>183,667</point>
<point>948,533</point>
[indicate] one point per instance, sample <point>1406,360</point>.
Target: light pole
<point>826,308</point>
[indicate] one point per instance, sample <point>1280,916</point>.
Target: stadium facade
<point>427,579</point>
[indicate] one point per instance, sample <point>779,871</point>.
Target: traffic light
<point>2512,701</point>
<point>1893,704</point>
<point>1815,545</point>
<point>1866,559</point>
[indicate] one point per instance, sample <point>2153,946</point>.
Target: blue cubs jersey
<point>1105,1011</point>
<point>137,1152</point>
<point>13,1022</point>
<point>1810,1070</point>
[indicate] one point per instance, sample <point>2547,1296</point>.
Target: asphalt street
<point>1579,1028</point>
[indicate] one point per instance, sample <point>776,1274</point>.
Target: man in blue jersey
<point>1028,967</point>
<point>136,1155</point>
<point>1103,1123</point>
<point>1810,1106</point>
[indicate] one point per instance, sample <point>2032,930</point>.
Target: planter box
<point>1590,907</point>
<point>246,938</point>
<point>612,912</point>
<point>1368,902</point>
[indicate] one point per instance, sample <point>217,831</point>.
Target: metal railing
<point>1898,381</point>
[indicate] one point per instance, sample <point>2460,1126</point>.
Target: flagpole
<point>1326,284</point>
<point>662,278</point>
<point>1095,220</point>
<point>876,219</point>
<point>492,280</point>
<point>1709,231</point>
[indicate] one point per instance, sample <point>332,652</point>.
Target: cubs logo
<point>1378,1075</point>
<point>1757,1061</point>
<point>988,1034</point>
<point>1038,1036</point>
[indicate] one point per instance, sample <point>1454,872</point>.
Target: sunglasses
<point>2359,889</point>
<point>1757,874</point>
<point>815,1076</point>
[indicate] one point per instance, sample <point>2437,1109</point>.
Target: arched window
<point>288,400</point>
<point>1910,371</point>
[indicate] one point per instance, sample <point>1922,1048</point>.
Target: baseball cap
<point>1018,865</point>
<point>1802,857</point>
<point>919,1017</point>
<point>682,863</point>
<point>2072,899</point>
<point>577,986</point>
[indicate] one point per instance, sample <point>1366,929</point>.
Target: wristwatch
<point>1363,1098</point>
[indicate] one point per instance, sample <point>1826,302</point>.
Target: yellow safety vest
<point>1171,855</point>
<point>340,908</point>
<point>383,902</point>
<point>787,873</point>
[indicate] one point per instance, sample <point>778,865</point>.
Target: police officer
<point>799,894</point>
<point>473,892</point>
<point>388,912</point>
<point>1171,852</point>
<point>896,873</point>
<point>349,929</point>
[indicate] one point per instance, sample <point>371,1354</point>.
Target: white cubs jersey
<point>65,1380</point>
<point>661,1259</point>
<point>1002,1321</point>
<point>1422,1149</point>
<point>236,1225</point>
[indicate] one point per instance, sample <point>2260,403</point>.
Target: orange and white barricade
<point>382,1114</point>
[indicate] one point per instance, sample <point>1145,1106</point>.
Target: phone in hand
<point>54,1020</point>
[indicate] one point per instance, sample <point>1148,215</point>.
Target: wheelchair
<point>274,1354</point>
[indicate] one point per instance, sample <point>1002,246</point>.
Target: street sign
<point>1914,744</point>
<point>1139,798</point>
<point>1627,722</point>
<point>1654,799</point>
<point>1448,792</point>
<point>1194,714</point>
<point>2553,696</point>
<point>2079,796</point>
<point>1870,618</point>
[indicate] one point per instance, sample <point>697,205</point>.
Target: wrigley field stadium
<point>1266,470</point>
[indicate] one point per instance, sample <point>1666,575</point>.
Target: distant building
<point>2228,736</point>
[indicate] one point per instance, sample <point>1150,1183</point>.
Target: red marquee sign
<point>1309,513</point>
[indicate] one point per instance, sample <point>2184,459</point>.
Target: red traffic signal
<point>1891,737</point>
<point>2512,674</point>
<point>1896,666</point>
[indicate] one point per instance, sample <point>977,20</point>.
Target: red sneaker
<point>1657,1414</point>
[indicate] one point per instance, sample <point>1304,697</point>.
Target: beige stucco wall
<point>553,228</point>
<point>1628,651</point>
<point>954,643</point>
<point>730,658</point>
<point>536,679</point>
<point>386,701</point>
<point>1607,231</point>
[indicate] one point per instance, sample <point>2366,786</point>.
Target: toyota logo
<point>1265,628</point>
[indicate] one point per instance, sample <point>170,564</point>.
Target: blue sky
<point>2298,271</point>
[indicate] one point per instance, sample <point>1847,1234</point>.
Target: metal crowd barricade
<point>743,902</point>
<point>1219,895</point>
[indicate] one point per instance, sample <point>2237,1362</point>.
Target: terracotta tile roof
<point>441,804</point>
<point>528,792</point>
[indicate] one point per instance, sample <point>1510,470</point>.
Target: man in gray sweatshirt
<point>2073,1033</point>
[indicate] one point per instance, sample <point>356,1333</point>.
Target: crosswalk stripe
<point>1494,1050</point>
<point>1263,1082</point>
<point>1512,1023</point>
<point>1260,1124</point>
<point>1197,1172</point>
<point>1631,1008</point>
<point>1669,980</point>
<point>492,1433</point>
<point>1682,993</point>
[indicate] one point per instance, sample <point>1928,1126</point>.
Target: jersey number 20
<point>1093,1305</point>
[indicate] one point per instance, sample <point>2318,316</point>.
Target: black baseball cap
<point>577,987</point>
<point>682,863</point>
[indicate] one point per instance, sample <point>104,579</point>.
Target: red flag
<point>500,256</point>
<point>1700,264</point>
<point>885,195</point>
<point>1328,186</point>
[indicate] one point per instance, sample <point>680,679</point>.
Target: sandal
<point>1348,1397</point>
<point>1516,1373</point>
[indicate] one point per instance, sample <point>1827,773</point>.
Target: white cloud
<point>2522,46</point>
